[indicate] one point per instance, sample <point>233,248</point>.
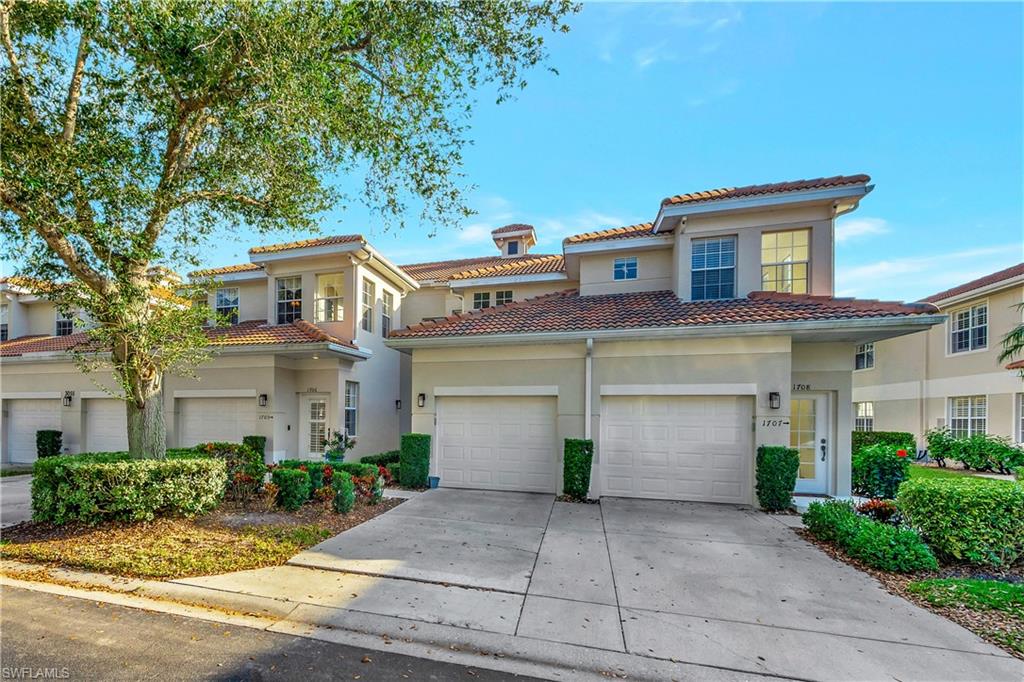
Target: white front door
<point>314,433</point>
<point>809,434</point>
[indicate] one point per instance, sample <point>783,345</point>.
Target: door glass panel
<point>803,435</point>
<point>317,426</point>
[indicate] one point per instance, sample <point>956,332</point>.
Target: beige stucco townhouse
<point>305,355</point>
<point>949,375</point>
<point>678,346</point>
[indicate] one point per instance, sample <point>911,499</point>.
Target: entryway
<point>810,432</point>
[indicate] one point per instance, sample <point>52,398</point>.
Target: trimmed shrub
<point>977,520</point>
<point>897,439</point>
<point>314,468</point>
<point>293,487</point>
<point>48,443</point>
<point>878,470</point>
<point>777,468</point>
<point>831,521</point>
<point>577,459</point>
<point>257,444</point>
<point>245,467</point>
<point>367,479</point>
<point>415,460</point>
<point>95,487</point>
<point>384,458</point>
<point>396,472</point>
<point>883,511</point>
<point>344,492</point>
<point>182,453</point>
<point>1018,473</point>
<point>876,544</point>
<point>940,444</point>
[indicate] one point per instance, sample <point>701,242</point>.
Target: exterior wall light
<point>398,404</point>
<point>774,400</point>
<point>262,400</point>
<point>66,400</point>
<point>421,400</point>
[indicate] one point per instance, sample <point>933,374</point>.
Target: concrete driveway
<point>725,588</point>
<point>15,499</point>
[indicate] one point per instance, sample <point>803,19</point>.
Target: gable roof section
<point>515,227</point>
<point>308,243</point>
<point>534,265</point>
<point>227,270</point>
<point>442,271</point>
<point>770,188</point>
<point>628,232</point>
<point>567,311</point>
<point>248,333</point>
<point>987,280</point>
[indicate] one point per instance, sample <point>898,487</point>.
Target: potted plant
<point>337,445</point>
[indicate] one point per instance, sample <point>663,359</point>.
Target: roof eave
<point>620,244</point>
<point>975,293</point>
<point>508,279</point>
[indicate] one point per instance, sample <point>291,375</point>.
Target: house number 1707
<point>774,422</point>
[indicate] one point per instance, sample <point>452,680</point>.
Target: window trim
<point>318,317</point>
<point>867,420</point>
<point>497,295</point>
<point>387,311</point>
<point>369,290</point>
<point>236,307</point>
<point>351,408</point>
<point>735,252</point>
<point>951,317</point>
<point>279,316</point>
<point>60,317</point>
<point>970,413</point>
<point>807,263</point>
<point>857,352</point>
<point>625,262</point>
<point>509,246</point>
<point>483,296</point>
<point>5,323</point>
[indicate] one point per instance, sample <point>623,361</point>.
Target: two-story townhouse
<point>949,375</point>
<point>679,347</point>
<point>304,356</point>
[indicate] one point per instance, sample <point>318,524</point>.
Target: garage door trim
<point>494,391</point>
<point>679,389</point>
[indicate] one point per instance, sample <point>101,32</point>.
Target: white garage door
<point>501,443</point>
<point>204,420</point>
<point>676,447</point>
<point>24,417</point>
<point>106,425</point>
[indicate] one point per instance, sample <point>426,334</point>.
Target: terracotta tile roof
<point>1018,364</point>
<point>771,188</point>
<point>628,232</point>
<point>520,266</point>
<point>515,227</point>
<point>41,288</point>
<point>567,311</point>
<point>307,243</point>
<point>249,333</point>
<point>226,270</point>
<point>994,278</point>
<point>442,271</point>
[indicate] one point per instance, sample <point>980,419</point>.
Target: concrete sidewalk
<point>15,499</point>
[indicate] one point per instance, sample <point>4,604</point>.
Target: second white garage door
<point>22,419</point>
<point>676,447</point>
<point>106,425</point>
<point>497,443</point>
<point>205,420</point>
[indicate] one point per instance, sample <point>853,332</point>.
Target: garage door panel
<point>106,425</point>
<point>25,417</point>
<point>204,420</point>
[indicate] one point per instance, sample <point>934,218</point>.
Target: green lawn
<point>15,471</point>
<point>980,595</point>
<point>918,472</point>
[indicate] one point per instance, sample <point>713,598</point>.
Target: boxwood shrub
<point>415,460</point>
<point>257,444</point>
<point>777,468</point>
<point>314,468</point>
<point>48,443</point>
<point>293,487</point>
<point>383,459</point>
<point>977,520</point>
<point>831,521</point>
<point>577,460</point>
<point>344,492</point>
<point>896,439</point>
<point>94,487</point>
<point>879,469</point>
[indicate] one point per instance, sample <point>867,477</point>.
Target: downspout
<point>588,399</point>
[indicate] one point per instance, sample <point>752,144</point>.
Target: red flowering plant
<point>901,453</point>
<point>883,511</point>
<point>328,474</point>
<point>385,474</point>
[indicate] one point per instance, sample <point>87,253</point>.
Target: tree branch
<point>357,46</point>
<point>213,195</point>
<point>75,88</point>
<point>12,57</point>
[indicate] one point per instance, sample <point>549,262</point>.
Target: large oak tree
<point>134,131</point>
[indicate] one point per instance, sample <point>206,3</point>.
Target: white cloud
<point>854,228</point>
<point>651,55</point>
<point>554,230</point>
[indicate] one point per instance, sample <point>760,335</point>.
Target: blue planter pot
<point>434,481</point>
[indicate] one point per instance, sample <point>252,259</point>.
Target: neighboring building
<point>678,346</point>
<point>949,375</point>
<point>305,356</point>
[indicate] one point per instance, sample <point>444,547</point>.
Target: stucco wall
<point>519,291</point>
<point>654,272</point>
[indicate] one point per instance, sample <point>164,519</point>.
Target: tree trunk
<point>147,432</point>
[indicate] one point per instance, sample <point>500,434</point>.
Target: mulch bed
<point>985,623</point>
<point>233,515</point>
<point>576,500</point>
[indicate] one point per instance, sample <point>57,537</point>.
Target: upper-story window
<point>65,325</point>
<point>329,304</point>
<point>502,297</point>
<point>481,299</point>
<point>865,356</point>
<point>4,329</point>
<point>387,311</point>
<point>369,297</point>
<point>969,329</point>
<point>625,268</point>
<point>226,304</point>
<point>713,268</point>
<point>289,299</point>
<point>785,260</point>
<point>513,248</point>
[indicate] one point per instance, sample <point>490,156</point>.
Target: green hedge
<point>344,492</point>
<point>373,492</point>
<point>257,444</point>
<point>777,468</point>
<point>314,468</point>
<point>879,469</point>
<point>977,520</point>
<point>245,466</point>
<point>94,487</point>
<point>897,439</point>
<point>383,459</point>
<point>415,460</point>
<point>981,452</point>
<point>577,459</point>
<point>48,443</point>
<point>878,545</point>
<point>293,487</point>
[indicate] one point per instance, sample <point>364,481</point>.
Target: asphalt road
<point>90,640</point>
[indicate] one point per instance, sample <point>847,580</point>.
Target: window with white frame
<point>713,268</point>
<point>289,299</point>
<point>785,260</point>
<point>387,311</point>
<point>968,415</point>
<point>625,268</point>
<point>330,303</point>
<point>865,356</point>
<point>481,299</point>
<point>226,304</point>
<point>351,407</point>
<point>4,329</point>
<point>65,325</point>
<point>368,299</point>
<point>969,329</point>
<point>863,416</point>
<point>502,297</point>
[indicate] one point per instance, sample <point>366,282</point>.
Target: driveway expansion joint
<point>536,558</point>
<point>387,576</point>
